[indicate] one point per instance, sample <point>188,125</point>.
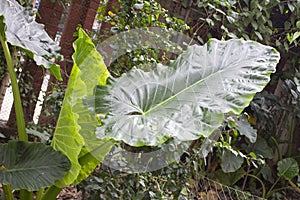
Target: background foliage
<point>255,151</point>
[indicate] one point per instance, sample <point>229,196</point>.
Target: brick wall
<point>50,16</point>
<point>81,12</point>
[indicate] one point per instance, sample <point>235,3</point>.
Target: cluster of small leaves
<point>25,82</point>
<point>238,152</point>
<point>206,157</point>
<point>163,184</point>
<point>140,14</point>
<point>54,99</point>
<point>275,23</point>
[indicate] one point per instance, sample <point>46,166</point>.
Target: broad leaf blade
<point>230,161</point>
<point>75,131</point>
<point>229,178</point>
<point>245,128</point>
<point>188,99</point>
<point>287,168</point>
<point>262,148</point>
<point>23,31</point>
<point>31,166</point>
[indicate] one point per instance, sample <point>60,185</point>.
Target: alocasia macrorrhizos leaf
<point>186,100</point>
<point>75,130</point>
<point>23,31</point>
<point>31,166</point>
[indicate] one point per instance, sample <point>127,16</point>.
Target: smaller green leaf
<point>229,178</point>
<point>244,127</point>
<point>287,168</point>
<point>262,148</point>
<point>266,172</point>
<point>230,161</point>
<point>252,155</point>
<point>44,136</point>
<point>294,37</point>
<point>254,24</point>
<point>298,24</point>
<point>287,25</point>
<point>31,166</point>
<point>260,37</point>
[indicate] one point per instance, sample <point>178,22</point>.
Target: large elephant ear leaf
<point>23,31</point>
<point>31,166</point>
<point>75,130</point>
<point>188,99</point>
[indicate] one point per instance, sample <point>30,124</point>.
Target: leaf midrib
<point>180,92</point>
<point>30,168</point>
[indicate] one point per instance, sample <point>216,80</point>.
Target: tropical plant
<point>274,23</point>
<point>75,136</point>
<point>187,99</point>
<point>185,102</point>
<point>21,160</point>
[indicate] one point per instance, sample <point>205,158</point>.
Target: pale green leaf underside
<point>75,131</point>
<point>23,31</point>
<point>188,99</point>
<point>31,166</point>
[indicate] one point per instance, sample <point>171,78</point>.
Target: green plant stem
<point>246,177</point>
<point>262,185</point>
<point>270,190</point>
<point>25,195</point>
<point>290,147</point>
<point>16,93</point>
<point>276,190</point>
<point>18,105</point>
<point>51,193</point>
<point>8,192</point>
<point>39,194</point>
<point>294,186</point>
<point>277,147</point>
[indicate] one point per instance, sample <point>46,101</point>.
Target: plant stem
<point>277,147</point>
<point>271,189</point>
<point>294,186</point>
<point>262,185</point>
<point>16,93</point>
<point>25,195</point>
<point>7,192</point>
<point>245,180</point>
<point>39,194</point>
<point>51,193</point>
<point>17,102</point>
<point>292,128</point>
